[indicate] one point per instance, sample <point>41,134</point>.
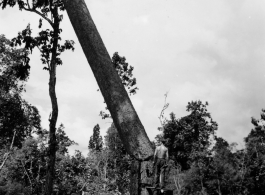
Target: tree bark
<point>135,178</point>
<point>125,118</point>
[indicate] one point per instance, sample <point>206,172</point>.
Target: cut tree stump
<point>147,179</point>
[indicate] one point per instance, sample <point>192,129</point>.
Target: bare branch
<point>163,110</point>
<point>5,158</point>
<point>83,186</point>
<point>7,154</point>
<point>11,146</point>
<point>28,4</point>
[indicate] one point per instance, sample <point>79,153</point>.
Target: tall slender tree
<point>95,141</point>
<point>48,42</point>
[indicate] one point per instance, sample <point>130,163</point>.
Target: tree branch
<point>83,186</point>
<point>163,110</point>
<point>7,154</point>
<point>5,158</point>
<point>26,174</point>
<point>42,15</point>
<point>13,140</point>
<point>28,4</point>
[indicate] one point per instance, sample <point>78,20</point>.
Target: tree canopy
<point>16,115</point>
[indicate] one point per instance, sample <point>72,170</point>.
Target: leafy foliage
<point>125,72</point>
<point>44,42</point>
<point>222,169</point>
<point>95,141</point>
<point>14,67</point>
<point>120,161</point>
<point>188,138</point>
<point>26,168</point>
<point>15,113</point>
<point>255,156</point>
<point>110,165</point>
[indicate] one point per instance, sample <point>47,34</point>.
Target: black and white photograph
<point>123,97</point>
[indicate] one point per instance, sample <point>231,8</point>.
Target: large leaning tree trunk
<point>125,118</point>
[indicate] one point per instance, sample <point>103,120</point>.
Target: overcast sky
<point>208,50</point>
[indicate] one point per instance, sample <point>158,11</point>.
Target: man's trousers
<point>160,170</point>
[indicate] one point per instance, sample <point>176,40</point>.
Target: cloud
<point>207,50</point>
<point>235,69</point>
<point>79,131</point>
<point>141,20</point>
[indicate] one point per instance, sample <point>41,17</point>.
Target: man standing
<point>160,160</point>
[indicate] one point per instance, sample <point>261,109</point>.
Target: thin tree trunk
<point>7,154</point>
<point>105,176</point>
<point>27,174</point>
<point>126,120</point>
<point>53,120</point>
<point>219,187</point>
